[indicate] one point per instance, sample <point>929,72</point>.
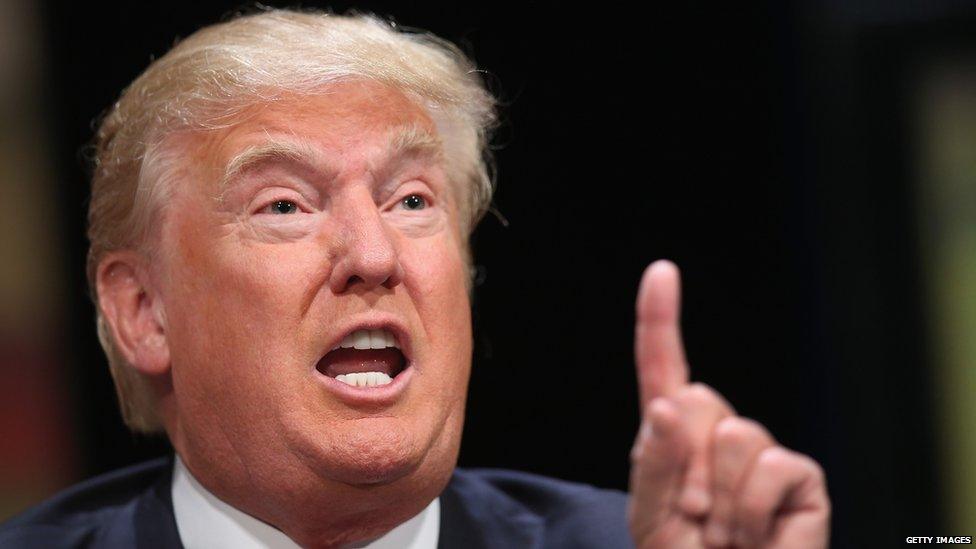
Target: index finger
<point>659,351</point>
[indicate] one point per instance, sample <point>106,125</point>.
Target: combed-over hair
<point>208,81</point>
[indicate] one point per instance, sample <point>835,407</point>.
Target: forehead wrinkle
<point>413,140</point>
<point>274,149</point>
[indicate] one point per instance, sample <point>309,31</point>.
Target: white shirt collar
<point>204,521</point>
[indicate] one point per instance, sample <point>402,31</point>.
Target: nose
<point>367,257</point>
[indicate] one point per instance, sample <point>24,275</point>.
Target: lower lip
<point>381,395</point>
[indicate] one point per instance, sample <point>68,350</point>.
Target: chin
<point>363,452</point>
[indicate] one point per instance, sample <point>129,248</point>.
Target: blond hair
<point>209,79</point>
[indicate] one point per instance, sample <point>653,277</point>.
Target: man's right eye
<point>283,207</point>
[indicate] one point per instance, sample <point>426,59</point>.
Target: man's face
<point>316,218</point>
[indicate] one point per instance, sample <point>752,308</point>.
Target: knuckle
<point>818,472</point>
<point>754,426</point>
<point>701,395</point>
<point>778,459</point>
<point>733,431</point>
<point>699,391</point>
<point>775,459</point>
<point>697,395</point>
<point>814,469</point>
<point>729,432</point>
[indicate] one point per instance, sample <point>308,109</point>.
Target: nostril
<point>392,280</point>
<point>363,272</point>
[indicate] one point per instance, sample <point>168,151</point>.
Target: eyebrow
<point>414,140</point>
<point>274,149</point>
<point>403,141</point>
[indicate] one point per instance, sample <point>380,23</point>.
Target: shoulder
<point>542,495</point>
<point>102,511</point>
<point>563,514</point>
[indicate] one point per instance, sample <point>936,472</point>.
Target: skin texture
<point>702,476</point>
<point>239,303</point>
<point>242,301</point>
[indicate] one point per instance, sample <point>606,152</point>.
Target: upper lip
<point>375,322</point>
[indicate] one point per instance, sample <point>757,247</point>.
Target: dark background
<point>763,146</point>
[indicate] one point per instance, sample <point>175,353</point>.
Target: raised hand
<point>701,476</point>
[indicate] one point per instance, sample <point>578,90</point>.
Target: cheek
<point>436,278</point>
<point>219,270</point>
<point>236,303</point>
<point>436,271</point>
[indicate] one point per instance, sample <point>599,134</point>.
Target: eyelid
<point>264,204</point>
<point>422,189</point>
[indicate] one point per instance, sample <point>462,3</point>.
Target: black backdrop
<point>731,138</point>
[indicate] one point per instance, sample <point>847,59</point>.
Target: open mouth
<point>364,358</point>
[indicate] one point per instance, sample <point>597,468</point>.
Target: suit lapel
<point>477,516</point>
<point>155,522</point>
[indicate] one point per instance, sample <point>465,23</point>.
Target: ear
<point>133,311</point>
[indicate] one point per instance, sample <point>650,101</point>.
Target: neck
<point>200,512</point>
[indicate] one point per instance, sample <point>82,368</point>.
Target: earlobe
<point>133,312</point>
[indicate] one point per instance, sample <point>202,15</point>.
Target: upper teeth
<point>368,339</point>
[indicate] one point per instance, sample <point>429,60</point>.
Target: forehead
<point>338,118</point>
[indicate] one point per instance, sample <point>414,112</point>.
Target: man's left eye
<point>414,202</point>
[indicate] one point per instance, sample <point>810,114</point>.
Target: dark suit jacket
<point>480,509</point>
